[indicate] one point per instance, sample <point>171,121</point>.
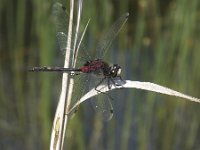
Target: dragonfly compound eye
<point>115,70</point>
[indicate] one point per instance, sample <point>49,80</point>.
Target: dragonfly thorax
<point>100,68</point>
<point>95,66</point>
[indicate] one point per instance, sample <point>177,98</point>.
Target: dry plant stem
<point>60,120</point>
<point>78,46</point>
<point>75,48</point>
<point>148,86</point>
<point>66,80</point>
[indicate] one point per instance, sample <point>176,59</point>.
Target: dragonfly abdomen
<point>53,69</point>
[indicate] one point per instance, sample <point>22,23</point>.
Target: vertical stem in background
<point>60,120</point>
<point>76,34</point>
<point>74,56</point>
<point>43,30</point>
<point>66,79</point>
<point>18,61</point>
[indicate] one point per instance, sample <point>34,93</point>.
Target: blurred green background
<point>159,43</point>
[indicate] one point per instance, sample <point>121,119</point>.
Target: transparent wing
<point>102,103</point>
<point>61,20</point>
<point>107,39</point>
<point>62,41</point>
<point>103,107</point>
<point>80,87</point>
<point>83,55</point>
<point>60,17</point>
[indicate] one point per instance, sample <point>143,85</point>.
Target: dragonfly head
<point>115,70</point>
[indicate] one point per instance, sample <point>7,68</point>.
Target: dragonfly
<point>101,71</point>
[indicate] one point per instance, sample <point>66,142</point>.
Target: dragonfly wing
<point>102,103</point>
<point>103,106</point>
<point>107,39</point>
<point>61,20</point>
<point>80,87</point>
<point>60,17</point>
<point>62,41</point>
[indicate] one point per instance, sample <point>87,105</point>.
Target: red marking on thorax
<point>92,66</point>
<point>85,69</point>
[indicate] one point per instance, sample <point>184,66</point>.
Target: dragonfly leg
<point>99,84</point>
<point>106,104</point>
<point>120,81</point>
<point>109,85</point>
<point>101,91</point>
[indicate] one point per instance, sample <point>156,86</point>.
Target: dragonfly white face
<point>115,70</point>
